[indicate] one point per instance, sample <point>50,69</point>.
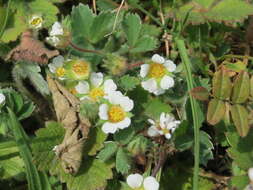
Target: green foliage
<point>124,136</point>
<point>216,111</point>
<point>239,182</point>
<point>155,107</point>
<point>241,149</point>
<point>123,161</point>
<point>133,28</point>
<point>11,164</point>
<point>198,11</point>
<point>108,151</point>
<point>139,145</point>
<point>128,82</point>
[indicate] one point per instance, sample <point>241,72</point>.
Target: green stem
<point>5,19</point>
<point>186,62</point>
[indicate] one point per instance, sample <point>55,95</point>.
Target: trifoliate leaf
<point>109,150</point>
<point>10,162</point>
<point>123,161</point>
<point>155,107</point>
<point>132,28</point>
<point>95,141</point>
<point>128,82</point>
<point>241,150</point>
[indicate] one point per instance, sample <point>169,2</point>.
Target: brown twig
<point>166,41</point>
<point>162,158</point>
<point>94,6</point>
<point>134,65</point>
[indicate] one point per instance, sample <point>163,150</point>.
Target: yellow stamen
<point>73,91</point>
<point>116,114</point>
<point>60,72</point>
<point>36,21</point>
<point>96,93</point>
<point>81,68</point>
<point>156,70</point>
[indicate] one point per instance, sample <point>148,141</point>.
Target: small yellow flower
<point>36,21</point>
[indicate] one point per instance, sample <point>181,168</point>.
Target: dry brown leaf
<point>31,49</point>
<point>77,128</point>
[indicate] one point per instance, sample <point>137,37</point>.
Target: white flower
<point>36,21</point>
<point>157,75</point>
<point>56,31</point>
<point>166,126</point>
<point>115,113</point>
<point>136,181</point>
<point>250,174</point>
<point>2,98</point>
<point>98,87</point>
<point>56,67</point>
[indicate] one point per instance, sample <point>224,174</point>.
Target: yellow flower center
<point>156,70</point>
<point>36,21</point>
<point>96,93</point>
<point>73,91</point>
<point>81,68</point>
<point>116,114</point>
<point>60,72</point>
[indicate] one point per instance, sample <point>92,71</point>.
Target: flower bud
<point>115,64</point>
<point>78,69</point>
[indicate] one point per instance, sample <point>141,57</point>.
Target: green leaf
<point>222,85</point>
<point>155,107</point>
<point>10,161</point>
<point>89,109</point>
<point>216,111</point>
<point>32,174</point>
<point>81,21</point>
<point>124,136</point>
<point>241,88</point>
<point>139,145</point>
<point>150,30</point>
<point>43,144</point>
<point>132,28</point>
<point>239,182</point>
<point>200,93</point>
<point>143,44</point>
<point>47,10</point>
<point>102,25</point>
<point>206,147</point>
<point>93,174</point>
<point>215,11</point>
<point>240,119</point>
<point>123,161</point>
<point>251,86</point>
<point>95,141</point>
<point>108,151</point>
<point>128,82</point>
<point>241,150</point>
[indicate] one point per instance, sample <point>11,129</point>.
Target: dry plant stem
<point>165,33</point>
<point>116,18</point>
<point>134,65</point>
<point>84,50</point>
<point>94,6</point>
<point>162,158</point>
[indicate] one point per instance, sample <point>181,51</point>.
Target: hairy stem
<point>186,62</point>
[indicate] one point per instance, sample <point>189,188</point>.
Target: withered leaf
<point>77,128</point>
<point>31,49</point>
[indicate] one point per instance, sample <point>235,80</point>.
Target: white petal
<point>158,59</point>
<point>170,65</point>
<point>134,180</point>
<point>126,103</point>
<point>109,86</point>
<point>149,85</point>
<point>56,29</point>
<point>82,87</point>
<point>151,121</point>
<point>153,132</point>
<point>58,61</point>
<point>52,67</point>
<point>250,174</point>
<point>124,124</point>
<point>109,128</point>
<point>53,40</point>
<point>150,183</point>
<point>96,79</point>
<point>159,91</point>
<point>167,82</point>
<point>167,135</point>
<point>103,110</point>
<point>2,98</point>
<point>144,70</point>
<point>114,97</point>
<point>162,120</point>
